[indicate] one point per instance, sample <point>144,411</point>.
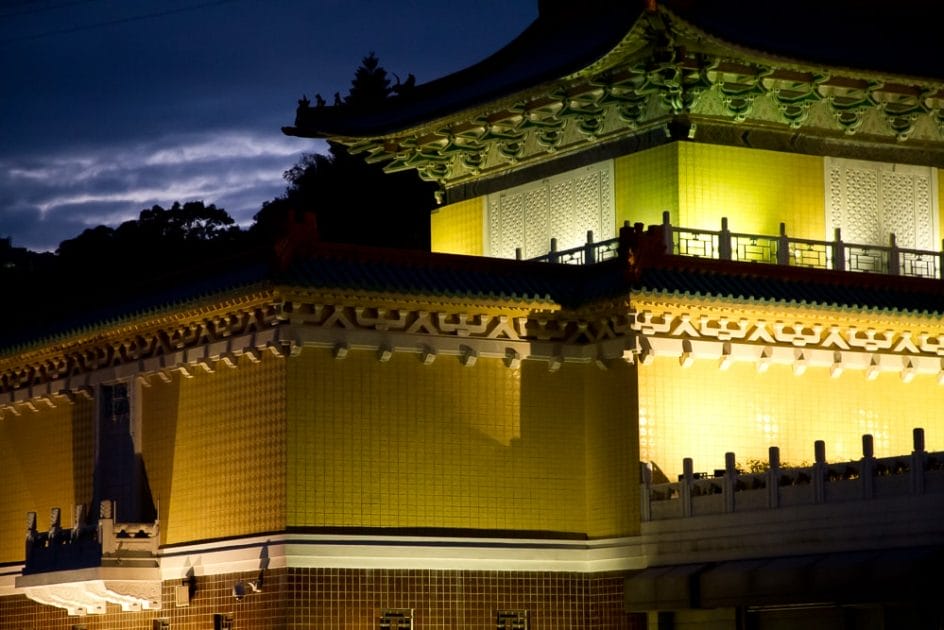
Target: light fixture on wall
<point>242,588</point>
<point>185,591</point>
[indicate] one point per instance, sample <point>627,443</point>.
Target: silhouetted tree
<point>355,202</point>
<point>370,85</point>
<point>103,266</point>
<point>159,237</point>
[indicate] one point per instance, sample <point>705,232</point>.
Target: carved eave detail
<point>729,331</point>
<point>665,70</point>
<point>189,339</point>
<point>283,321</point>
<point>634,327</point>
<point>512,333</point>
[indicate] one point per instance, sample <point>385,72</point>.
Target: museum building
<point>675,360</point>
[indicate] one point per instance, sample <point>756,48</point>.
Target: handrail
<point>774,485</point>
<point>779,249</point>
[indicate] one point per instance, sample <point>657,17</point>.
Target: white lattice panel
<point>898,208</point>
<point>536,211</point>
<point>506,224</point>
<point>871,200</point>
<point>564,207</point>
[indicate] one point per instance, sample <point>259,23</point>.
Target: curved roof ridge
<point>510,69</point>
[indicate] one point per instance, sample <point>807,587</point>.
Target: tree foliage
<point>356,202</point>
<point>352,201</point>
<point>158,238</point>
<point>370,85</point>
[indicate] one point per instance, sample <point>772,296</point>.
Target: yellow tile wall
<point>697,183</point>
<point>458,227</point>
<point>402,444</point>
<point>755,189</point>
<point>214,450</point>
<point>703,412</point>
<point>47,458</point>
<point>646,184</point>
<point>612,450</point>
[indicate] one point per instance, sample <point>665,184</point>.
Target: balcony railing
<point>591,252</point>
<point>782,249</point>
<point>733,490</point>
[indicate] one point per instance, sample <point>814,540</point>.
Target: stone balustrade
<point>731,490</point>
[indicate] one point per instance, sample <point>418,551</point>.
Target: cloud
<point>47,198</point>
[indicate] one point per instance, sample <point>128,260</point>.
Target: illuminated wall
<point>47,459</point>
<point>755,189</point>
<point>697,183</point>
<point>402,444</point>
<point>214,450</point>
<point>701,183</point>
<point>703,412</point>
<point>612,449</point>
<point>458,227</point>
<point>646,184</point>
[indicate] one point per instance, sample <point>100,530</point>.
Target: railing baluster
<point>773,477</point>
<point>783,250</point>
<point>729,481</point>
<point>667,233</point>
<point>646,494</point>
<point>819,471</point>
<point>724,240</point>
<point>839,252</point>
<point>867,467</point>
<point>894,268</point>
<point>940,264</point>
<point>919,459</point>
<point>685,491</point>
<point>783,246</point>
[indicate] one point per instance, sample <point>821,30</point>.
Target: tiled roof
<point>389,273</point>
<point>901,38</point>
<point>839,34</point>
<point>452,276</point>
<point>537,55</point>
<point>791,285</point>
<point>78,316</point>
<point>352,269</point>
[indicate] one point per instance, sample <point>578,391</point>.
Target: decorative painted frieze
<point>802,339</point>
<point>643,329</point>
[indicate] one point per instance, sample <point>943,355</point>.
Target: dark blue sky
<point>111,106</point>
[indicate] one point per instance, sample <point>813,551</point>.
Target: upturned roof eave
<point>512,73</point>
<point>534,58</point>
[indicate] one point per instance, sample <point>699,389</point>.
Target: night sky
<point>111,106</point>
<point>108,107</point>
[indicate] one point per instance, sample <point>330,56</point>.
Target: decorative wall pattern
<point>869,201</point>
<point>563,207</point>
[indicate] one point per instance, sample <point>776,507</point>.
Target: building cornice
<point>668,75</point>
<point>726,331</point>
